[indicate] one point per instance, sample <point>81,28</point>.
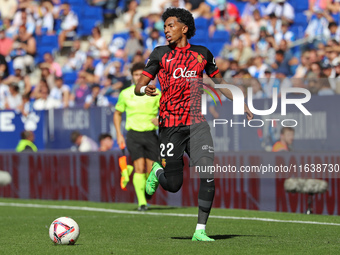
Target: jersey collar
<point>183,48</point>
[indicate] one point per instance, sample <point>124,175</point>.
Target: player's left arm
<point>212,70</point>
<point>218,79</point>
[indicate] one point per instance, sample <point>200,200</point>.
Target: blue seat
<point>70,78</point>
<point>124,35</point>
<point>202,23</point>
<point>215,47</point>
<point>221,36</point>
<point>85,27</point>
<point>112,100</point>
<point>301,19</point>
<point>299,5</point>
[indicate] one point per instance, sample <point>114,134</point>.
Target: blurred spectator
<point>83,142</point>
<point>5,43</point>
<point>288,54</point>
<point>242,54</point>
<point>286,140</point>
<point>325,87</point>
<point>303,67</point>
<point>262,43</point>
<point>281,64</point>
<point>232,70</point>
<point>8,8</point>
<point>21,79</point>
<point>23,50</point>
<point>61,92</point>
<point>69,24</point>
<point>254,25</point>
<point>88,69</point>
<point>154,40</point>
<point>115,82</point>
<point>317,29</point>
<point>3,67</point>
<point>27,142</point>
<point>315,68</point>
<point>46,75</point>
<point>76,58</point>
<point>134,44</point>
<point>284,34</point>
<point>226,17</point>
<point>105,142</point>
<point>45,101</point>
<point>320,4</point>
<point>4,92</point>
<point>250,8</point>
<point>55,68</point>
<point>14,99</point>
<point>97,43</point>
<point>333,32</point>
<point>257,69</point>
<point>282,10</point>
<point>273,24</point>
<point>79,91</point>
<point>329,72</point>
<point>10,30</point>
<point>95,98</point>
<point>132,17</point>
<point>268,83</point>
<point>333,6</point>
<point>44,18</point>
<point>27,105</point>
<point>24,18</point>
<point>101,66</point>
<point>257,89</point>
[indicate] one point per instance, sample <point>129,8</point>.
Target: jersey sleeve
<point>121,104</point>
<point>211,68</point>
<point>152,65</point>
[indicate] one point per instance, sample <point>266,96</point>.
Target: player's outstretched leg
<point>172,182</point>
<point>152,181</point>
<point>205,200</point>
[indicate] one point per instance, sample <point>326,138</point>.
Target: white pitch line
<point>94,209</point>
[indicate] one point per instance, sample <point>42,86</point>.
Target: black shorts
<point>142,145</point>
<point>195,140</point>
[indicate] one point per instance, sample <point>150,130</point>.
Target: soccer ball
<point>64,230</point>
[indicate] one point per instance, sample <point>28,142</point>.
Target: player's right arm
<point>150,90</point>
<point>150,71</point>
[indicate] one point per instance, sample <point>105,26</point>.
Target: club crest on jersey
<point>199,59</point>
<point>179,72</point>
<point>163,162</point>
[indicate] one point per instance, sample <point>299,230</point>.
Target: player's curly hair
<point>183,16</point>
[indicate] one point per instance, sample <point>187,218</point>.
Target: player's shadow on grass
<point>218,237</point>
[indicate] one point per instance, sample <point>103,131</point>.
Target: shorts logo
<point>163,162</point>
<point>205,147</point>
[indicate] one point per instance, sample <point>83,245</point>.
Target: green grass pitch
<point>24,230</point>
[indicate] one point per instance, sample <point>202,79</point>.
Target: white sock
<point>157,171</point>
<point>200,226</point>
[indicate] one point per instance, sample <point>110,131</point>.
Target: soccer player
<point>141,138</point>
<point>182,126</point>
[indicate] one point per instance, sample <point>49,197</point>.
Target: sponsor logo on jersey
<point>163,162</point>
<point>179,72</point>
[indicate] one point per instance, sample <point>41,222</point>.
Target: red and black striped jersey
<point>177,69</point>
